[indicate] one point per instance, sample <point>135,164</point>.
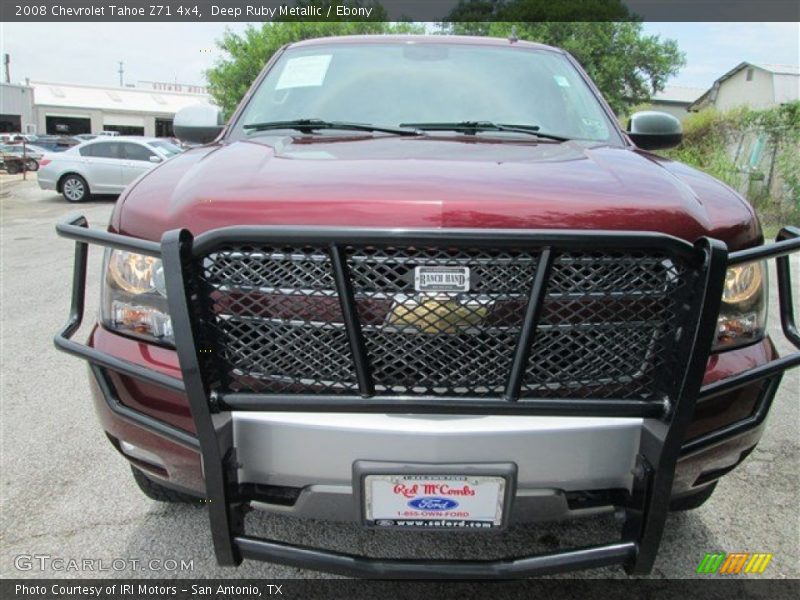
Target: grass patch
<point>770,232</point>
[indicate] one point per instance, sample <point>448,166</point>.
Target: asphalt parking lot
<point>66,493</point>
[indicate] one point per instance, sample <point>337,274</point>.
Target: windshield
<point>166,148</point>
<point>399,83</point>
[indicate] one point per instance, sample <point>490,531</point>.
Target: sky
<point>713,49</point>
<point>89,53</point>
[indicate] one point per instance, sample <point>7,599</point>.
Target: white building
<point>70,109</point>
<point>757,86</point>
<point>16,108</point>
<point>171,86</point>
<point>675,99</point>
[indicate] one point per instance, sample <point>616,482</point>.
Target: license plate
<point>441,279</point>
<point>434,501</point>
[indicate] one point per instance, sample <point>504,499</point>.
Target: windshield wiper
<point>310,125</point>
<point>473,127</point>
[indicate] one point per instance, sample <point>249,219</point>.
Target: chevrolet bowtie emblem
<point>437,315</point>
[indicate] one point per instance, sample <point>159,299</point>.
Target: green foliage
<point>706,137</point>
<point>626,65</point>
<point>709,136</point>
<point>246,54</point>
<point>477,14</point>
<point>782,127</point>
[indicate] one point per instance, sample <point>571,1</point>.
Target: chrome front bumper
<point>316,452</point>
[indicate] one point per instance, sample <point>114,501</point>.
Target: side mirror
<point>198,124</point>
<point>652,130</point>
<point>155,159</point>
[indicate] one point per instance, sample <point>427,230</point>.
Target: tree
<point>247,53</point>
<point>475,15</point>
<point>626,65</point>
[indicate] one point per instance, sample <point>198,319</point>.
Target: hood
<point>431,182</point>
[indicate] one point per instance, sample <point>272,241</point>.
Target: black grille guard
<point>664,422</point>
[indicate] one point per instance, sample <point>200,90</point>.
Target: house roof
<point>678,94</point>
<point>785,81</point>
<point>778,69</point>
<point>116,99</point>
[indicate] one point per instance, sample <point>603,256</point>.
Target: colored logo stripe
<point>734,563</point>
<point>758,562</point>
<point>711,562</point>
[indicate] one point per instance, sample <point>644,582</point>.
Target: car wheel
<point>74,188</point>
<point>13,168</point>
<point>32,164</point>
<point>156,491</point>
<point>692,501</point>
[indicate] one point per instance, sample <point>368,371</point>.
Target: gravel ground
<point>66,493</point>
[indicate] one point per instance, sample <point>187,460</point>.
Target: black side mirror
<point>652,130</point>
<point>198,124</point>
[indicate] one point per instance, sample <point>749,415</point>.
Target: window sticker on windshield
<point>561,80</point>
<point>304,71</point>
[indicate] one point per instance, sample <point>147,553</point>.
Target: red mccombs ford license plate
<point>434,501</point>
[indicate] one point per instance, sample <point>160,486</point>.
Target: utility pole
<point>7,64</point>
<point>121,72</point>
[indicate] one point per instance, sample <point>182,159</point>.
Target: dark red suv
<point>429,283</point>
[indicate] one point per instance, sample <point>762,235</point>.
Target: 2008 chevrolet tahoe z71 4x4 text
<point>429,283</point>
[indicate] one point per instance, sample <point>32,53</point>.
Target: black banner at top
<point>397,10</point>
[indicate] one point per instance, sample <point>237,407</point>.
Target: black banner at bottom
<point>722,588</point>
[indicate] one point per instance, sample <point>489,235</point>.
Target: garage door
<point>123,120</point>
<point>124,124</point>
<point>65,125</point>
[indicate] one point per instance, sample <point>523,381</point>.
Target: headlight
<point>742,283</point>
<point>134,298</point>
<point>743,313</point>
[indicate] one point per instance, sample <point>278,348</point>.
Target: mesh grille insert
<point>607,329</point>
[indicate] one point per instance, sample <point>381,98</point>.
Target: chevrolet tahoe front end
<point>395,291</point>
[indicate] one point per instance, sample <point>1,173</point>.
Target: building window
<point>164,128</point>
<point>749,74</point>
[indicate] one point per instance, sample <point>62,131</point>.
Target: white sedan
<point>102,166</point>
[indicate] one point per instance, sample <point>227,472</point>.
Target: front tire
<point>32,164</point>
<point>156,491</point>
<point>74,188</point>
